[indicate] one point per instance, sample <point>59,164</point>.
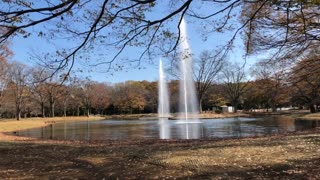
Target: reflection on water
<point>152,129</point>
<point>189,130</point>
<point>164,128</point>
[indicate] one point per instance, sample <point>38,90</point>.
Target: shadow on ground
<point>295,156</point>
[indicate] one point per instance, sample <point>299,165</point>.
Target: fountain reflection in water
<point>163,109</point>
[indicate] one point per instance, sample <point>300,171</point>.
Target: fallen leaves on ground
<point>289,156</point>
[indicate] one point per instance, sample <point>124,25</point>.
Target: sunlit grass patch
<point>11,125</point>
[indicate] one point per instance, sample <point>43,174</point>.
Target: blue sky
<point>23,47</point>
<point>146,71</point>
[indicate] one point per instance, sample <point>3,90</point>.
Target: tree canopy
<point>108,28</point>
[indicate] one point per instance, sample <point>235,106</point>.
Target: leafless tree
<point>234,84</point>
<point>206,69</point>
<point>53,89</point>
<point>17,77</point>
<point>38,89</point>
<point>87,93</point>
<point>66,92</point>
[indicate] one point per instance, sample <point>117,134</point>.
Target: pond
<point>151,129</point>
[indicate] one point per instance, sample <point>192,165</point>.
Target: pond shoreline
<point>9,136</point>
<point>174,116</point>
<point>11,126</point>
<point>290,155</point>
<point>293,155</point>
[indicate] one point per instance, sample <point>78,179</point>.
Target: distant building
<point>227,109</point>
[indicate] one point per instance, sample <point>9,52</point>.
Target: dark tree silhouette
<point>116,25</point>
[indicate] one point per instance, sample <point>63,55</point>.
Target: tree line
<point>286,31</point>
<point>35,92</point>
<point>26,92</point>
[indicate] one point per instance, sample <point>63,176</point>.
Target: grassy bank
<point>176,116</point>
<point>222,115</point>
<point>10,125</point>
<point>310,116</point>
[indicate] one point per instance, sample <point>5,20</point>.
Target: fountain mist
<point>188,100</point>
<point>163,105</point>
<point>188,105</point>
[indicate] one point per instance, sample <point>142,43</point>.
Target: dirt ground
<point>288,156</point>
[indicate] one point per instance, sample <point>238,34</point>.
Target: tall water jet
<point>163,105</point>
<point>188,99</point>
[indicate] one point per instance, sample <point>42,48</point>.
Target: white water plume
<point>189,108</point>
<point>163,105</point>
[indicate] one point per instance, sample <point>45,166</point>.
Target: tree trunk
<point>52,109</point>
<point>78,111</point>
<point>200,105</point>
<point>235,107</point>
<point>18,114</point>
<point>273,108</point>
<point>43,110</point>
<point>88,111</point>
<point>18,111</point>
<point>64,109</point>
<point>101,112</point>
<point>312,108</point>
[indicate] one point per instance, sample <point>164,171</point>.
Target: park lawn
<point>221,115</point>
<point>286,156</point>
<point>11,125</point>
<point>176,116</point>
<point>310,116</point>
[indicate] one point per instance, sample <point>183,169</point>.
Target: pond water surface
<point>149,129</point>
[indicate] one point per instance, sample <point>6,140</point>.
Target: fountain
<point>188,105</point>
<point>163,109</point>
<point>188,100</point>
